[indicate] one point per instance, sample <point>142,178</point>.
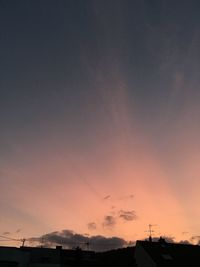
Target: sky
<point>99,115</point>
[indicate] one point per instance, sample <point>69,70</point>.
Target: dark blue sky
<point>51,52</point>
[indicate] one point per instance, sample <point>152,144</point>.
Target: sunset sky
<point>100,118</point>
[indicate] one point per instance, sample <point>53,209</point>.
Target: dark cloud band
<point>70,239</point>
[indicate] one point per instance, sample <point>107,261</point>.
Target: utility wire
<point>8,238</point>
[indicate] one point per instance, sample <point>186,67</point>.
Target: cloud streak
<point>6,233</point>
<point>109,221</point>
<point>127,197</point>
<point>92,226</point>
<point>107,197</point>
<point>127,215</point>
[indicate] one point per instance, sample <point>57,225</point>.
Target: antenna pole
<point>150,231</point>
<point>23,242</point>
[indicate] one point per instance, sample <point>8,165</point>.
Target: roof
<point>172,254</point>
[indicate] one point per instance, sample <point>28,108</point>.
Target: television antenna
<point>150,231</point>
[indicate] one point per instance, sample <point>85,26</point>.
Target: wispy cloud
<point>6,233</point>
<point>92,226</point>
<point>107,197</point>
<point>126,197</point>
<point>185,233</point>
<point>127,215</point>
<point>109,221</point>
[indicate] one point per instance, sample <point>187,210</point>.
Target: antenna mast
<point>23,241</point>
<point>150,231</point>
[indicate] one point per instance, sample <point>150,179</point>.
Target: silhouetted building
<point>45,257</point>
<point>14,257</point>
<point>123,257</point>
<point>163,254</point>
